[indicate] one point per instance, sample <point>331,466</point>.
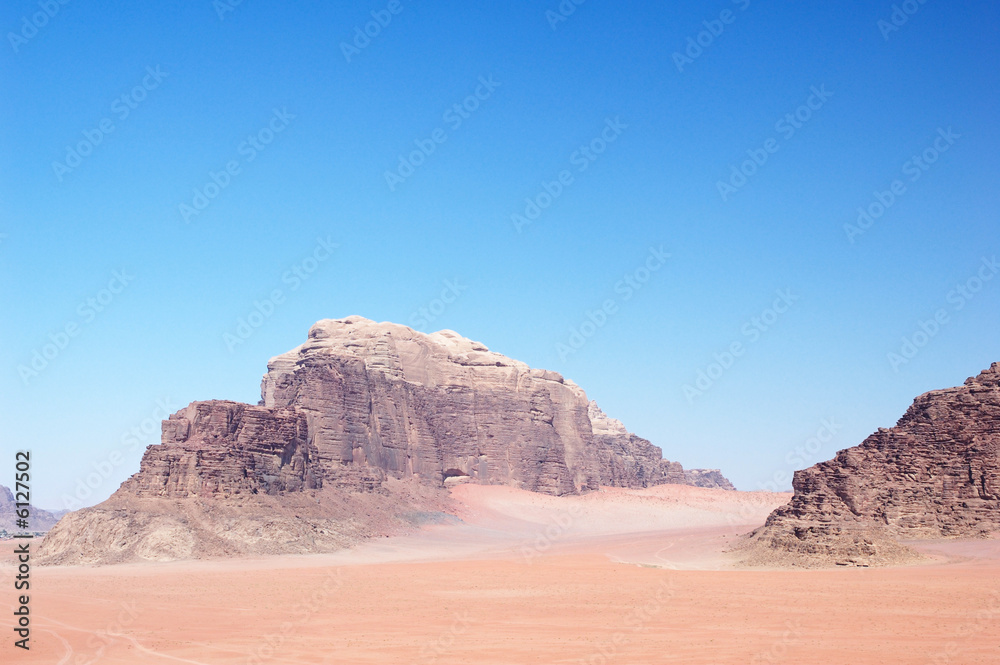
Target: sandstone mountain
<point>38,519</point>
<point>359,429</point>
<point>936,474</point>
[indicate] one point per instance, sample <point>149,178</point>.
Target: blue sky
<point>281,143</point>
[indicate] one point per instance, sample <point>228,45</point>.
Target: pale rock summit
<point>600,422</point>
<point>444,408</point>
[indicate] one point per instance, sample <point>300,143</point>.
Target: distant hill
<point>39,520</point>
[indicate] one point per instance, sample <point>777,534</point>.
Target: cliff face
<point>364,414</point>
<point>436,407</point>
<point>627,460</point>
<point>227,448</point>
<point>936,474</point>
<point>445,409</point>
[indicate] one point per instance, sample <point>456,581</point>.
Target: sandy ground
<point>612,577</point>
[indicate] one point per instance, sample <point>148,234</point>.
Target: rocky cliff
<point>444,409</point>
<point>712,478</point>
<point>227,448</point>
<point>361,414</point>
<point>38,519</point>
<point>627,460</point>
<point>936,474</point>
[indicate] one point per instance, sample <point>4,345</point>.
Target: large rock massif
<point>358,430</point>
<point>444,409</point>
<point>936,474</point>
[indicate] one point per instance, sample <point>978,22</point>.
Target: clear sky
<point>167,168</point>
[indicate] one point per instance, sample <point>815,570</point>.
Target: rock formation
<point>445,409</point>
<point>936,474</point>
<point>128,528</point>
<point>631,461</point>
<point>363,414</point>
<point>227,448</point>
<point>707,478</point>
<point>38,519</point>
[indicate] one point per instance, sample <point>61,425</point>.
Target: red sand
<point>617,577</point>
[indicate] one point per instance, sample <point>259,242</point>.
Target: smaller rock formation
<point>708,478</point>
<point>129,528</point>
<point>221,448</point>
<point>628,460</point>
<point>936,474</point>
<point>38,520</point>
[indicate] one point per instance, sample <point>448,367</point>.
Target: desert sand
<point>617,576</point>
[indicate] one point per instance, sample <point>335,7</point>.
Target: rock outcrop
<point>38,520</point>
<point>227,448</point>
<point>363,414</point>
<point>936,474</point>
<point>128,528</point>
<point>712,478</point>
<point>627,460</point>
<point>444,409</point>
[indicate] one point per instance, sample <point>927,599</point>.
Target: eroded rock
<point>936,474</point>
<point>364,416</point>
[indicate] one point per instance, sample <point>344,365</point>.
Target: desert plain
<point>614,576</point>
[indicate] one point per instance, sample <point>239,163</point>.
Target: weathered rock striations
<point>711,478</point>
<point>445,409</point>
<point>227,448</point>
<point>435,407</point>
<point>631,461</point>
<point>627,460</point>
<point>361,408</point>
<point>936,474</point>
